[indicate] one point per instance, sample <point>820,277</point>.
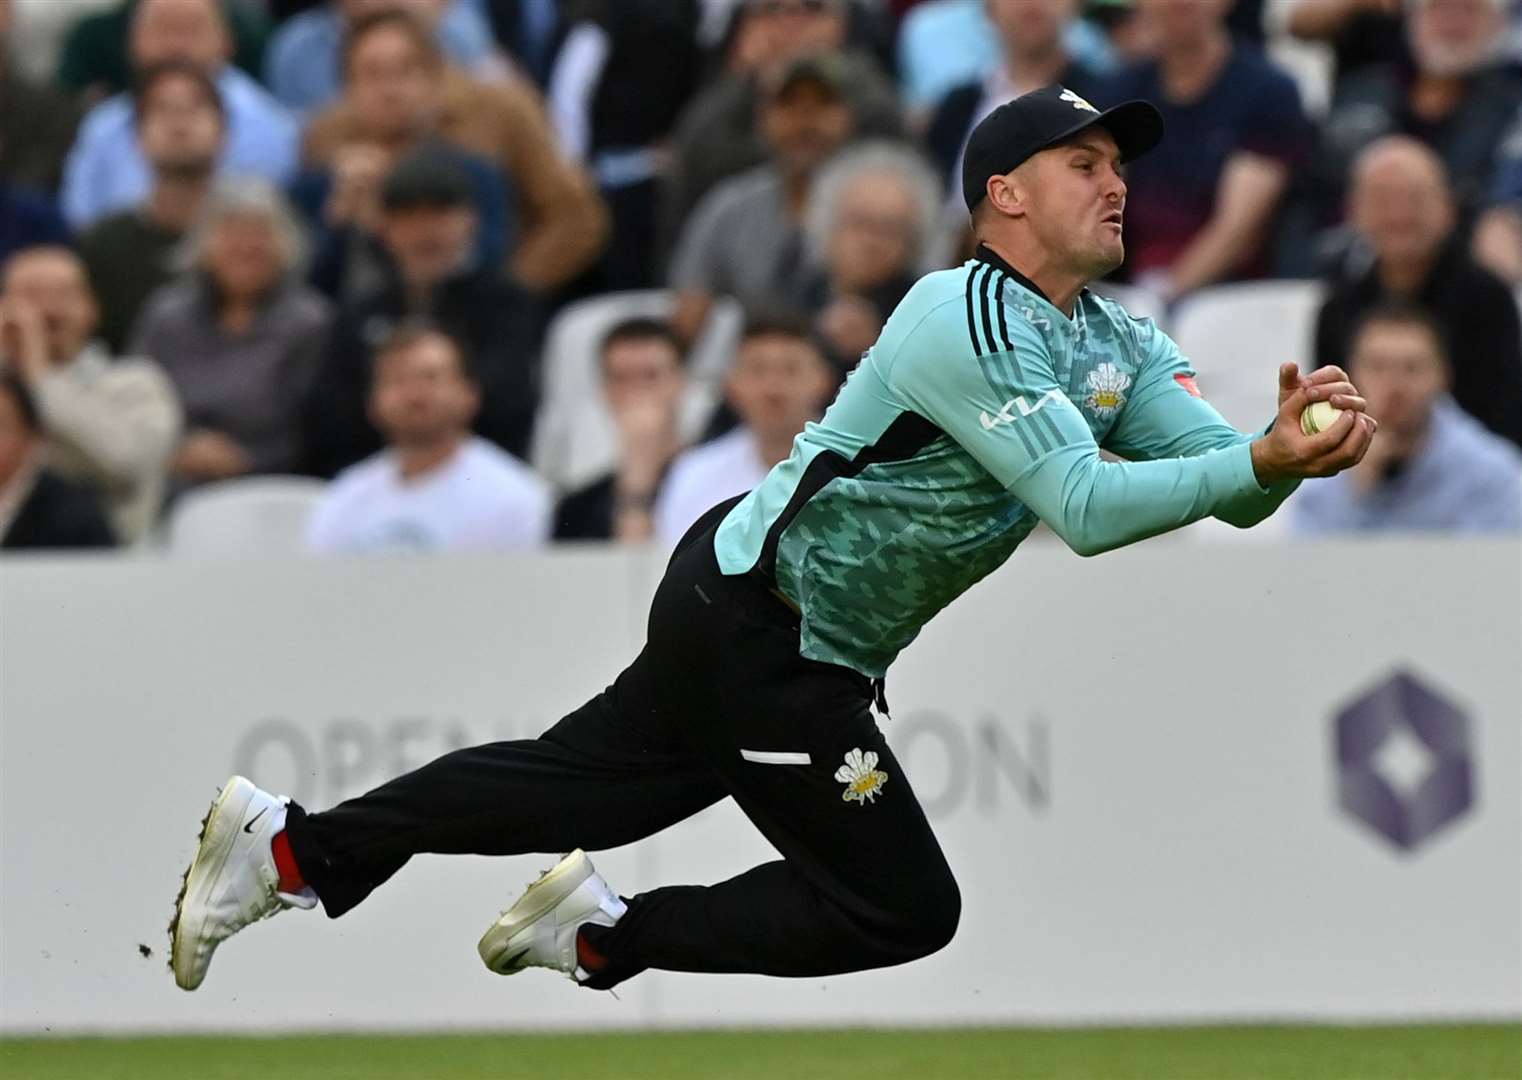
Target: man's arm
<point>1246,197</point>
<point>1007,410</point>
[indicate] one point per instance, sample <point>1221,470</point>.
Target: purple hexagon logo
<point>1405,764</point>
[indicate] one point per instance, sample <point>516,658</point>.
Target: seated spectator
<point>1403,210</point>
<point>1201,204</point>
<point>398,92</point>
<point>1432,467</point>
<point>1456,95</point>
<point>39,508</point>
<point>301,66</point>
<point>28,219</point>
<point>1498,233</point>
<point>36,122</point>
<point>1361,33</point>
<point>96,61</point>
<point>436,487</point>
<point>181,128</point>
<point>871,218</point>
<point>111,422</point>
<point>717,136</point>
<point>240,337</point>
<point>643,381</point>
<point>427,237</point>
<point>1033,54</point>
<point>745,238</point>
<point>106,170</point>
<point>780,381</point>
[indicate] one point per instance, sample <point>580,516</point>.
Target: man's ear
<point>1006,195</point>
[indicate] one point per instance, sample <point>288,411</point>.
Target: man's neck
<point>1031,69</point>
<point>1058,286</point>
<point>419,458</point>
<point>1405,278</point>
<point>1189,67</point>
<point>1434,97</point>
<point>175,202</point>
<point>773,447</point>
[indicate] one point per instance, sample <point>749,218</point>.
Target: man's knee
<point>936,921</point>
<point>921,921</point>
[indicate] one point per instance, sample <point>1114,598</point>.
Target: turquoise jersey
<point>980,410</point>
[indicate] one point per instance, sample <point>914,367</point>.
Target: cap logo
<point>1078,102</point>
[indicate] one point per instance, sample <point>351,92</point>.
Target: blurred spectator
<point>240,337</point>
<point>1456,95</point>
<point>28,219</point>
<point>98,54</point>
<point>1432,467</point>
<point>1127,36</point>
<point>181,128</point>
<point>38,30</point>
<point>529,30</point>
<point>38,508</point>
<point>718,137</point>
<point>780,381</point>
<point>302,66</point>
<point>399,92</point>
<point>745,238</point>
<point>110,421</point>
<point>1403,210</point>
<point>1031,35</point>
<point>1200,205</point>
<point>436,487</point>
<point>1498,233</point>
<point>614,47</point>
<point>427,231</point>
<point>36,122</point>
<point>106,170</point>
<point>643,381</point>
<point>1360,33</point>
<point>870,220</point>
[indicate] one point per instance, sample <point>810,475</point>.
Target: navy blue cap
<point>1043,118</point>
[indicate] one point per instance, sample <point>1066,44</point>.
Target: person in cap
<point>979,411</point>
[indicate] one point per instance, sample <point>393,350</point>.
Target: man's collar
<point>984,253</point>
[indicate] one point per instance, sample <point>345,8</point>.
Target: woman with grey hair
<point>868,228</point>
<point>240,335</point>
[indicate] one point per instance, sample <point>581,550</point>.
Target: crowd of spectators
<point>327,238</point>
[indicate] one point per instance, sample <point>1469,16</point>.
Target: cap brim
<point>1136,127</point>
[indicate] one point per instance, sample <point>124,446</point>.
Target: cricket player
<point>980,411</point>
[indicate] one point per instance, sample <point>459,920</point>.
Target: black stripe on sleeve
<point>972,326</point>
<point>988,323</point>
<point>1003,325</point>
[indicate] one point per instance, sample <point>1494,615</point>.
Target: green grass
<point>1470,1052</point>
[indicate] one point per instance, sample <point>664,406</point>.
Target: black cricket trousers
<point>718,703</point>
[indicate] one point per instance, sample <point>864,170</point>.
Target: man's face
<point>53,284</point>
<point>429,243</point>
<point>1030,26</point>
<point>785,29</point>
<point>1400,372</point>
<point>1179,22</point>
<point>189,30</point>
<point>875,232</point>
<point>421,395</point>
<point>778,384</point>
<point>426,11</point>
<point>1401,204</point>
<point>642,371</point>
<point>1074,200</point>
<point>244,256</point>
<point>17,441</point>
<point>391,84</point>
<point>1454,37</point>
<point>179,130</point>
<point>804,125</point>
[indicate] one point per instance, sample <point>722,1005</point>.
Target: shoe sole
<point>219,835</point>
<point>537,901</point>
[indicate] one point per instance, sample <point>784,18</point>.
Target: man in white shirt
<point>780,381</point>
<point>436,487</point>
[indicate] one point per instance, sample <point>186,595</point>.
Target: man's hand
<point>210,455</point>
<point>1286,453</point>
<point>359,170</point>
<point>23,341</point>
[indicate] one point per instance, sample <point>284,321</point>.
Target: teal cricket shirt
<point>981,410</point>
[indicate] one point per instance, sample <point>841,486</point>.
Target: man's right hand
<point>1286,453</point>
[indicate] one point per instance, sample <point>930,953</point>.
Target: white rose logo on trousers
<point>861,776</point>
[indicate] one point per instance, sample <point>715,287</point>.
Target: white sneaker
<point>539,930</point>
<point>232,881</point>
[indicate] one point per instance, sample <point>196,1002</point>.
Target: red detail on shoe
<point>587,956</point>
<point>285,864</point>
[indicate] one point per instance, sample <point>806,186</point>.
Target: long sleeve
<point>123,422</point>
<point>1009,412</point>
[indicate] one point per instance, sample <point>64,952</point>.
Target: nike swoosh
<point>249,828</point>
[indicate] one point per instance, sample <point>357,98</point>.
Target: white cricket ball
<point>1318,416</point>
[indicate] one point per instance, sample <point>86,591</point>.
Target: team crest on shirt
<point>861,776</point>
<point>1107,389</point>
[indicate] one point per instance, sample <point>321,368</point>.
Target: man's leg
<point>594,780</point>
<point>862,882</point>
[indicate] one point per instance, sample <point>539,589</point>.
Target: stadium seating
<point>574,439</point>
<point>1238,335</point>
<point>239,519</point>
